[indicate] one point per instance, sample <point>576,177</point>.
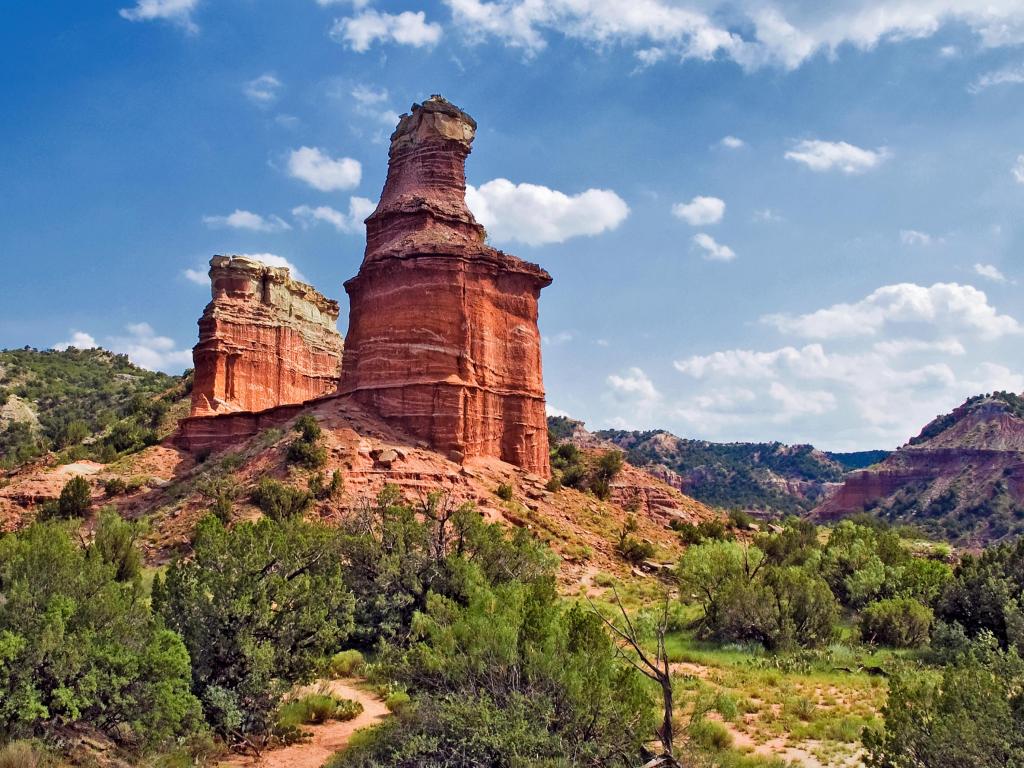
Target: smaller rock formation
<point>442,338</point>
<point>264,340</point>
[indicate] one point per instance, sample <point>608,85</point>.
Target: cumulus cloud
<point>201,276</point>
<point>197,276</point>
<point>254,222</point>
<point>711,250</point>
<point>1018,169</point>
<point>349,223</point>
<point>915,237</point>
<point>373,103</point>
<point>1006,76</point>
<point>553,411</point>
<point>633,389</point>
<point>535,215</point>
<point>141,343</point>
<point>263,90</point>
<point>78,340</point>
<point>780,33</point>
<point>990,272</point>
<point>318,169</point>
<point>407,28</point>
<point>176,11</point>
<point>562,337</point>
<point>951,306</point>
<point>700,211</point>
<point>731,142</point>
<point>821,156</point>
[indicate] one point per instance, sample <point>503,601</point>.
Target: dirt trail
<point>326,739</point>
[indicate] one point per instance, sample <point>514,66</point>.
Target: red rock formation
<point>443,337</point>
<point>264,340</point>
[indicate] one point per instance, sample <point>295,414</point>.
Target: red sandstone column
<point>443,338</point>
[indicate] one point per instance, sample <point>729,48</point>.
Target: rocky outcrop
<point>963,475</point>
<point>265,340</point>
<point>443,339</point>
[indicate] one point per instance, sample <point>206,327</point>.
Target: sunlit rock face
<point>443,338</point>
<point>264,340</point>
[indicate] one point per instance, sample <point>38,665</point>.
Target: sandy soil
<point>325,739</point>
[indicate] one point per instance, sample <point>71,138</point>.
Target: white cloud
<point>248,220</point>
<point>731,142</point>
<point>633,388</point>
<point>321,171</point>
<point>768,216</point>
<point>176,11</point>
<point>201,276</point>
<point>406,28</point>
<point>562,337</point>
<point>350,223</point>
<point>958,308</point>
<point>990,272</point>
<point>78,340</point>
<point>141,343</point>
<point>553,411</point>
<point>700,211</point>
<point>823,156</point>
<point>1018,169</point>
<point>712,250</point>
<point>535,215</point>
<point>915,237</point>
<point>263,90</point>
<point>781,33</point>
<point>357,4</point>
<point>1006,76</point>
<point>372,103</point>
<point>949,51</point>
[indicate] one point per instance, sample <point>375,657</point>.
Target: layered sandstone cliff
<point>963,475</point>
<point>443,338</point>
<point>265,340</point>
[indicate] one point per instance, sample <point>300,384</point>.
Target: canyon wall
<point>443,338</point>
<point>265,340</point>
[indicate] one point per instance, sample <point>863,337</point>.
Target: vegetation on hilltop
<point>1010,402</point>
<point>761,476</point>
<point>84,403</point>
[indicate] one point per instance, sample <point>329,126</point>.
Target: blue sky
<point>765,219</point>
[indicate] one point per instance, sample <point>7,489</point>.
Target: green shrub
<point>306,449</point>
<point>397,701</point>
<point>279,501</point>
<point>316,708</point>
<point>505,492</point>
<point>25,754</point>
<point>899,622</point>
<point>78,647</point>
<point>320,489</point>
<point>115,544</point>
<point>228,603</point>
<point>75,498</point>
<point>115,486</point>
<point>346,663</point>
<point>710,735</point>
<point>740,519</point>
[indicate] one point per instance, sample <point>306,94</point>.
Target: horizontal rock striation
<point>443,338</point>
<point>265,340</point>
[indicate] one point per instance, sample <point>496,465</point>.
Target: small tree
<point>306,449</point>
<point>279,501</point>
<point>656,668</point>
<point>258,607</point>
<point>75,498</point>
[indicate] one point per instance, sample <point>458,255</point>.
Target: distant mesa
<point>442,341</point>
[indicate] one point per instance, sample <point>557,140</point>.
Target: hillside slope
<point>962,477</point>
<point>770,477</point>
<point>82,403</point>
<point>171,489</point>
